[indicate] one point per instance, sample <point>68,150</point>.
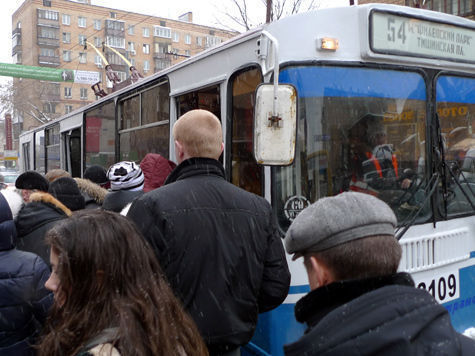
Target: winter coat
<point>219,248</point>
<point>24,300</point>
<point>156,169</point>
<point>116,200</point>
<point>93,193</point>
<point>35,219</point>
<point>376,316</point>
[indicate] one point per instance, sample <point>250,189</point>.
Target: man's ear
<point>322,274</point>
<point>179,151</point>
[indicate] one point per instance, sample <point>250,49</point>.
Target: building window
<point>97,41</point>
<point>83,94</point>
<point>82,40</point>
<point>48,33</point>
<point>146,66</point>
<point>68,109</point>
<point>66,37</point>
<point>97,24</point>
<point>188,39</point>
<point>132,61</point>
<point>66,19</point>
<point>67,92</point>
<point>115,25</point>
<point>199,41</point>
<point>48,14</point>
<point>131,30</point>
<point>187,53</point>
<point>212,41</point>
<point>47,3</point>
<point>160,31</point>
<point>113,15</point>
<point>98,60</point>
<point>47,52</point>
<point>132,47</point>
<point>67,56</point>
<point>146,32</point>
<point>146,48</point>
<point>176,37</point>
<point>49,108</point>
<point>82,57</point>
<point>81,21</point>
<point>118,42</point>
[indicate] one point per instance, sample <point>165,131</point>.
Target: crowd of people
<point>163,259</point>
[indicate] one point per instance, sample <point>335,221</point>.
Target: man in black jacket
<point>359,304</point>
<point>217,244</point>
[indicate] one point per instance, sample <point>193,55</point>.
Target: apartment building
<point>62,33</point>
<point>464,8</point>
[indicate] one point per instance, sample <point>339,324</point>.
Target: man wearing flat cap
<point>359,304</point>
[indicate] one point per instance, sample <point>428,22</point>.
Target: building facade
<point>61,34</point>
<point>465,8</point>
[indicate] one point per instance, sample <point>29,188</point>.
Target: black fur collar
<point>319,302</point>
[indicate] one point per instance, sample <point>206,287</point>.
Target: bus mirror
<point>275,125</point>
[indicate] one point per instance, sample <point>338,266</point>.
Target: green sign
<point>39,73</point>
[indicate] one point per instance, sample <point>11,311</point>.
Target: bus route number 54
<point>395,31</point>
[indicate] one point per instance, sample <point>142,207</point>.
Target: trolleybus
<point>386,82</point>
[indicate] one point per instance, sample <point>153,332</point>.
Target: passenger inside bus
<point>373,163</point>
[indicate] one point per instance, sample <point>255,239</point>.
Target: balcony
<point>161,56</point>
<point>51,61</point>
<point>48,23</point>
<point>48,42</point>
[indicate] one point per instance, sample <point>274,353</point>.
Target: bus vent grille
<point>428,252</point>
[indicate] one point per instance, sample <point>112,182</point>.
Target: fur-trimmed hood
<point>48,198</point>
<point>93,190</point>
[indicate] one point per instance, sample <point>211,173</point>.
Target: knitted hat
<point>96,174</point>
<point>31,180</point>
<point>125,175</point>
<point>335,220</point>
<point>66,190</point>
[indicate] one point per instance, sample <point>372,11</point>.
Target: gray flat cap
<point>335,220</point>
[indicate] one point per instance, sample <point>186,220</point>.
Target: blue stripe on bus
<point>299,289</point>
<point>456,90</point>
<point>354,82</point>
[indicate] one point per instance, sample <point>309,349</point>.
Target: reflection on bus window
<point>456,111</point>
<point>359,129</point>
<point>150,107</point>
<point>40,151</point>
<point>100,136</point>
<point>52,148</point>
<point>245,172</point>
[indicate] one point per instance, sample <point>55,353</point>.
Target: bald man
<point>217,244</point>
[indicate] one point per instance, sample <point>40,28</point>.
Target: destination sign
<point>400,35</point>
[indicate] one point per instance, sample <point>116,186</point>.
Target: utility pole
<point>269,7</point>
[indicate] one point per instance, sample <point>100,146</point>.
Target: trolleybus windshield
<point>359,129</point>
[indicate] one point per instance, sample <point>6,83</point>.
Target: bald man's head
<point>200,134</point>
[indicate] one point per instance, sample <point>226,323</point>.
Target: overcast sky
<point>205,12</point>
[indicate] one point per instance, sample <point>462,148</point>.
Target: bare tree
<point>246,14</point>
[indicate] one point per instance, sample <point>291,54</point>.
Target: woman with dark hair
<point>110,295</point>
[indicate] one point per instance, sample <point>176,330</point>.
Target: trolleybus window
<point>145,124</point>
<point>245,171</point>
<point>456,110</point>
<point>40,151</point>
<point>26,156</point>
<point>100,135</point>
<point>206,99</point>
<point>52,148</point>
<point>359,129</point>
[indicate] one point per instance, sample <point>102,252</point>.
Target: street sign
<point>49,74</point>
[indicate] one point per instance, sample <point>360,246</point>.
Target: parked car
<point>8,178</point>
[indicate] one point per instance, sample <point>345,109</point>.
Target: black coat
<point>376,316</point>
<point>24,300</point>
<point>35,219</point>
<point>118,199</point>
<point>219,248</point>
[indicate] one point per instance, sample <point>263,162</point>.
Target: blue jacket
<point>24,300</point>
